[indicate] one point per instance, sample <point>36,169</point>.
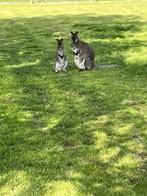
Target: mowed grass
<point>74,133</point>
<point>57,1</point>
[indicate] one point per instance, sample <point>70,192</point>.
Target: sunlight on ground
<point>23,64</point>
<point>128,162</point>
<point>74,133</point>
<point>138,57</point>
<point>108,154</point>
<point>62,188</point>
<point>15,184</point>
<point>101,139</point>
<point>123,129</point>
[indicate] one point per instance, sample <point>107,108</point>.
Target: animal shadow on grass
<point>64,128</point>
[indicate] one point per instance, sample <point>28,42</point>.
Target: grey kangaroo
<point>61,62</point>
<point>83,53</point>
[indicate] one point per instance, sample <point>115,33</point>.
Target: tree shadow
<point>71,127</point>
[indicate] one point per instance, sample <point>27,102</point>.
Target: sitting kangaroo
<point>61,62</point>
<point>83,54</point>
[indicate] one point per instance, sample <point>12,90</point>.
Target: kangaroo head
<point>59,42</point>
<point>74,36</point>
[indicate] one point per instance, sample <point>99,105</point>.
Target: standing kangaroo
<point>83,54</point>
<point>61,62</point>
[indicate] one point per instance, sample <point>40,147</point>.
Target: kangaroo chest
<point>60,63</point>
<point>61,59</point>
<point>79,61</point>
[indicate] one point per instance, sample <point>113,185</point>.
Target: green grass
<point>57,1</point>
<point>74,133</point>
<point>14,1</point>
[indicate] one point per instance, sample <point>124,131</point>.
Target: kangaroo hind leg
<point>89,64</point>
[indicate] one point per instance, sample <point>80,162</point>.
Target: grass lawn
<point>74,133</point>
<point>57,1</point>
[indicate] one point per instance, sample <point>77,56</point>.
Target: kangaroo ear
<point>72,33</point>
<point>57,40</point>
<point>62,40</point>
<point>76,32</point>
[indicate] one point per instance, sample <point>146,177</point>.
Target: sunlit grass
<point>74,133</point>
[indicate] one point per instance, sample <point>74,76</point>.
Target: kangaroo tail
<point>104,66</point>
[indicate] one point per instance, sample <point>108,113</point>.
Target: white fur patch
<point>61,65</point>
<point>78,62</point>
<point>75,50</point>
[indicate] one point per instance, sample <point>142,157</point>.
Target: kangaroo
<point>61,62</point>
<point>83,54</point>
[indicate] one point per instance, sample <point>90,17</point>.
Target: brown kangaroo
<point>83,53</point>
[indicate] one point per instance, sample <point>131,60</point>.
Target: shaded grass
<point>73,133</point>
